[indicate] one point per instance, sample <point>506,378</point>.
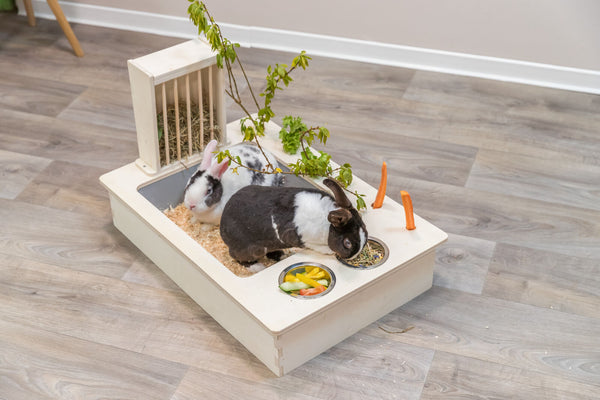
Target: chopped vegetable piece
<point>308,269</point>
<point>408,210</point>
<point>382,186</point>
<point>319,275</point>
<point>315,273</point>
<point>311,291</point>
<point>292,286</point>
<point>308,280</point>
<point>291,278</point>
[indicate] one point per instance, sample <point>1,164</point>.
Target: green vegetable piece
<point>292,286</point>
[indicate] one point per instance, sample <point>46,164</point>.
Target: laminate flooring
<point>511,172</point>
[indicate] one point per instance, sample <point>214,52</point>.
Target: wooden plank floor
<point>511,172</point>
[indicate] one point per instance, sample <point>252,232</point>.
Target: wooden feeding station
<point>282,331</point>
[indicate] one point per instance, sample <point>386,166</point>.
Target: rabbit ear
<point>207,155</point>
<point>339,217</point>
<point>338,193</point>
<point>218,169</point>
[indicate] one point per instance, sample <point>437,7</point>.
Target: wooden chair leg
<point>29,12</point>
<point>64,24</point>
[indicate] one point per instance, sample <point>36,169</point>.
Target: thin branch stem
<point>247,81</point>
<point>265,113</point>
<point>267,171</point>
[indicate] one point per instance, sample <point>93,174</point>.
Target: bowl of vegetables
<point>306,280</point>
<point>372,255</point>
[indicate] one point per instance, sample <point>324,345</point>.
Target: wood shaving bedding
<point>209,237</point>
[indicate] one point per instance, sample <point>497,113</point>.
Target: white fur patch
<point>275,228</point>
<point>256,267</point>
<point>310,219</point>
<point>363,238</point>
<point>363,241</point>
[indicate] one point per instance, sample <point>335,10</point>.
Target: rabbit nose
<point>192,206</point>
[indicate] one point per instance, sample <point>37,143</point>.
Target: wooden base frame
<point>281,331</point>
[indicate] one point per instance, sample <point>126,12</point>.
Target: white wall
<point>557,32</point>
<point>552,43</point>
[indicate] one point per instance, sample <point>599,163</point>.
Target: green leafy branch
<point>294,133</point>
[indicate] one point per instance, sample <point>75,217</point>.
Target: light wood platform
<point>510,171</point>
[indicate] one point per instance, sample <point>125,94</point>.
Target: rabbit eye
<point>209,191</point>
<point>347,243</point>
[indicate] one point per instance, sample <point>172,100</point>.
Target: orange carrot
<point>382,186</point>
<point>408,210</point>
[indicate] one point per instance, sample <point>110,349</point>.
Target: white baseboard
<point>553,76</point>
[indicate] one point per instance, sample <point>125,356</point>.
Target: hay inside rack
<point>177,120</point>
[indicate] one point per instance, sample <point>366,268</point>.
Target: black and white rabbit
<point>210,187</point>
<point>259,221</point>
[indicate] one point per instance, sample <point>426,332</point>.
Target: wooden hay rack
<point>178,104</point>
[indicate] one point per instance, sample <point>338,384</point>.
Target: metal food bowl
<point>300,268</point>
<point>384,257</point>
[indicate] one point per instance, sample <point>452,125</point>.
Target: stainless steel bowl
<point>386,253</point>
<point>300,268</point>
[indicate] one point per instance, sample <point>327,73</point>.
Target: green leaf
<point>301,60</point>
<point>344,176</point>
<point>323,135</point>
<point>223,155</point>
<point>230,53</point>
<point>290,133</point>
<point>360,202</point>
<point>247,129</point>
<point>266,113</point>
<point>260,129</point>
<point>281,70</point>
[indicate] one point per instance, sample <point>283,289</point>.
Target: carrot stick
<point>408,210</point>
<point>382,186</point>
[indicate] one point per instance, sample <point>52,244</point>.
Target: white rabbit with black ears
<point>212,185</point>
<point>259,221</point>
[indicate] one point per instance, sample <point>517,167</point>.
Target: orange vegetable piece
<point>382,186</point>
<point>312,291</point>
<point>408,210</point>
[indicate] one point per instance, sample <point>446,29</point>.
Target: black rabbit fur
<point>262,220</point>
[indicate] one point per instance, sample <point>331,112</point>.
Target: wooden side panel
<point>144,110</point>
<point>203,290</point>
